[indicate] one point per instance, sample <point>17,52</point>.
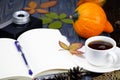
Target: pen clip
<point>18,46</point>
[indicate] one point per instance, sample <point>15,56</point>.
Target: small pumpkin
<point>90,20</point>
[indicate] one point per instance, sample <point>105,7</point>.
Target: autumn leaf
<point>75,46</point>
<point>72,48</point>
<point>33,7</point>
<point>32,11</point>
<point>75,52</point>
<point>48,4</point>
<point>27,8</point>
<point>63,45</point>
<point>32,4</point>
<point>42,11</point>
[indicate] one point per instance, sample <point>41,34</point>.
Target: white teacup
<point>97,57</point>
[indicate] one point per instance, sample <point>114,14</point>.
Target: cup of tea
<point>100,51</point>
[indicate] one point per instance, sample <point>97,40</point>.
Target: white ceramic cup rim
<point>103,38</point>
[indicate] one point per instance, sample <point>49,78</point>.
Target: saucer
<point>82,62</point>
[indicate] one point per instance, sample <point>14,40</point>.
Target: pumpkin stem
<point>74,16</point>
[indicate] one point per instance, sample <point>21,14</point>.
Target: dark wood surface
<point>112,9</point>
<point>67,7</point>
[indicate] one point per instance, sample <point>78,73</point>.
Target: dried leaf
<point>48,4</point>
<point>32,11</point>
<point>42,11</point>
<point>32,4</point>
<point>76,52</point>
<point>72,48</point>
<point>27,8</point>
<point>75,46</point>
<point>63,45</point>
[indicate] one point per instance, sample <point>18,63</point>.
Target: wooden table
<point>112,9</point>
<point>67,7</point>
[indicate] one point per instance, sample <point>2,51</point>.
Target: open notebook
<point>40,52</point>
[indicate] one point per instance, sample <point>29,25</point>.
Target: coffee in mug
<point>100,45</point>
<point>100,51</point>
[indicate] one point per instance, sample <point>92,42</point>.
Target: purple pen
<point>23,56</point>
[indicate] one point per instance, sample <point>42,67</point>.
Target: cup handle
<point>114,57</point>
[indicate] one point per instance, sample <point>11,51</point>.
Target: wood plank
<point>8,7</point>
<point>112,9</point>
<point>67,7</point>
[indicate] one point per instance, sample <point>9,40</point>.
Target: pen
<point>23,56</point>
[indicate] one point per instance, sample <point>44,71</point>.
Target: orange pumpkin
<point>90,20</point>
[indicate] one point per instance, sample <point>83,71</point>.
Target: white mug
<point>104,57</point>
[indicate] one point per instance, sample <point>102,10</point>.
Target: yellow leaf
<point>27,8</point>
<point>63,45</point>
<point>32,4</point>
<point>75,46</point>
<point>76,52</point>
<point>48,4</point>
<point>72,48</point>
<point>32,11</point>
<point>42,11</point>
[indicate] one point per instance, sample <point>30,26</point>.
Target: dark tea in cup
<point>100,51</point>
<point>100,45</point>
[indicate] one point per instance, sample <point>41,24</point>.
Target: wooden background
<point>112,9</point>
